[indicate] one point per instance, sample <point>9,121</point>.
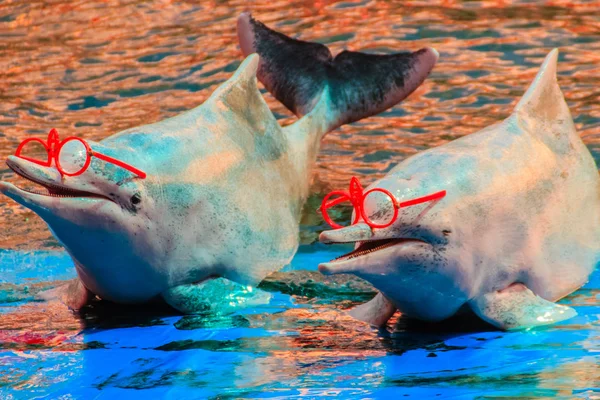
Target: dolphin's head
<point>100,216</point>
<point>415,261</point>
<point>194,216</point>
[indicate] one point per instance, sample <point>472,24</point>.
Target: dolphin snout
<point>32,171</point>
<point>325,269</point>
<point>349,234</point>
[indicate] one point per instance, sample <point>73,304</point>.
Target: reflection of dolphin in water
<point>287,342</point>
<point>518,229</point>
<point>225,183</point>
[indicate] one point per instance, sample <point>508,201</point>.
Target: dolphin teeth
<point>59,192</point>
<point>370,246</point>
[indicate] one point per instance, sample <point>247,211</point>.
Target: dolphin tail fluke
<point>305,76</point>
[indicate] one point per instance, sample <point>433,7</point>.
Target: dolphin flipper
<point>202,297</point>
<point>375,312</point>
<point>517,307</point>
<point>72,293</point>
<point>354,85</point>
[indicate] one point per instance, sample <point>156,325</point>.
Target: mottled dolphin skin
<point>225,186</point>
<point>518,230</point>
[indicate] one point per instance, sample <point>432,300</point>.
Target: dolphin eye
<point>136,199</point>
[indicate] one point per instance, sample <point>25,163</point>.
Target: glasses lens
<point>72,156</point>
<point>337,210</point>
<point>379,208</point>
<point>34,151</point>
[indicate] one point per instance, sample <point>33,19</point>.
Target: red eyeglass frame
<point>53,147</point>
<point>357,197</point>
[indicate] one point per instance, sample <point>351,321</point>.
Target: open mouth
<point>367,247</point>
<point>51,190</point>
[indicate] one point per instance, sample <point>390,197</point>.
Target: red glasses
<point>67,155</point>
<point>357,198</point>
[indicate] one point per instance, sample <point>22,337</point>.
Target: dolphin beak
<point>32,201</point>
<point>51,191</point>
<point>332,268</point>
<point>32,171</point>
<point>349,234</point>
<point>9,190</point>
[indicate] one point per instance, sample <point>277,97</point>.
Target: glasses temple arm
<point>435,196</point>
<point>335,202</point>
<point>121,164</point>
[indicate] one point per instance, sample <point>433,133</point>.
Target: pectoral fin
<point>376,312</point>
<point>517,307</point>
<point>218,295</point>
<point>72,293</point>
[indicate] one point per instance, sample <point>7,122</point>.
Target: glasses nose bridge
<point>357,208</point>
<point>357,204</point>
<point>53,142</point>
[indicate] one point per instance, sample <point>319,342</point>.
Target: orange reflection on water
<point>95,68</point>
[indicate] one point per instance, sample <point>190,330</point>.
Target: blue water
<point>92,69</point>
<point>289,347</point>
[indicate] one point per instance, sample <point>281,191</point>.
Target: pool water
<point>288,346</point>
<point>94,68</point>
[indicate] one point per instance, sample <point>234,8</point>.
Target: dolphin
<point>518,229</point>
<point>225,183</point>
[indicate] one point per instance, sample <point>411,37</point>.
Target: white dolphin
<point>518,229</point>
<point>225,183</point>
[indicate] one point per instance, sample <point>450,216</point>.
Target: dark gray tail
<point>357,85</point>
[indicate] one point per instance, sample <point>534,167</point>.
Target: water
<point>92,69</point>
<point>289,347</point>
